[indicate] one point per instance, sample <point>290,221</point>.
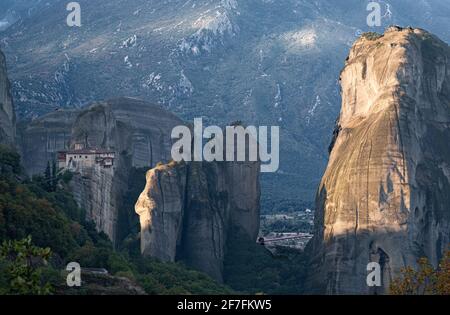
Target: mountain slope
<point>260,61</point>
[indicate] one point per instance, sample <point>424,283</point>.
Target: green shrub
<point>372,36</point>
<point>20,263</point>
<point>9,160</point>
<point>23,213</point>
<point>117,263</point>
<point>251,268</point>
<point>126,274</point>
<point>427,280</point>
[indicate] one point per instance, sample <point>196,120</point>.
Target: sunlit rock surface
<point>385,194</point>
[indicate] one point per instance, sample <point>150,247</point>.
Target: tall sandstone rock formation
<point>385,195</point>
<point>7,113</point>
<point>188,210</point>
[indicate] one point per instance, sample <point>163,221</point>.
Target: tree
<point>9,160</point>
<point>424,281</point>
<point>48,176</point>
<point>19,263</point>
<point>54,178</point>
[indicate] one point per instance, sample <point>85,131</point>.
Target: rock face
<point>138,132</point>
<point>41,139</point>
<point>143,130</point>
<point>7,114</point>
<point>187,211</point>
<point>385,194</point>
<point>140,135</point>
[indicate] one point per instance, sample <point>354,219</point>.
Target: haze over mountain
<point>259,61</point>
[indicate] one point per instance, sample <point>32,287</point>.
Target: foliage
<point>288,223</point>
<point>372,36</point>
<point>25,213</point>
<point>251,268</point>
<point>66,177</point>
<point>19,265</point>
<point>424,281</point>
<point>173,278</point>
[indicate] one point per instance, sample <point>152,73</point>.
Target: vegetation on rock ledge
<point>426,280</point>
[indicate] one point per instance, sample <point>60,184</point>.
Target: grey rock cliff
<point>41,139</point>
<point>7,113</point>
<point>385,194</point>
<point>138,132</point>
<point>187,211</point>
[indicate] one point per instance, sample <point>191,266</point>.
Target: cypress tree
<point>48,176</point>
